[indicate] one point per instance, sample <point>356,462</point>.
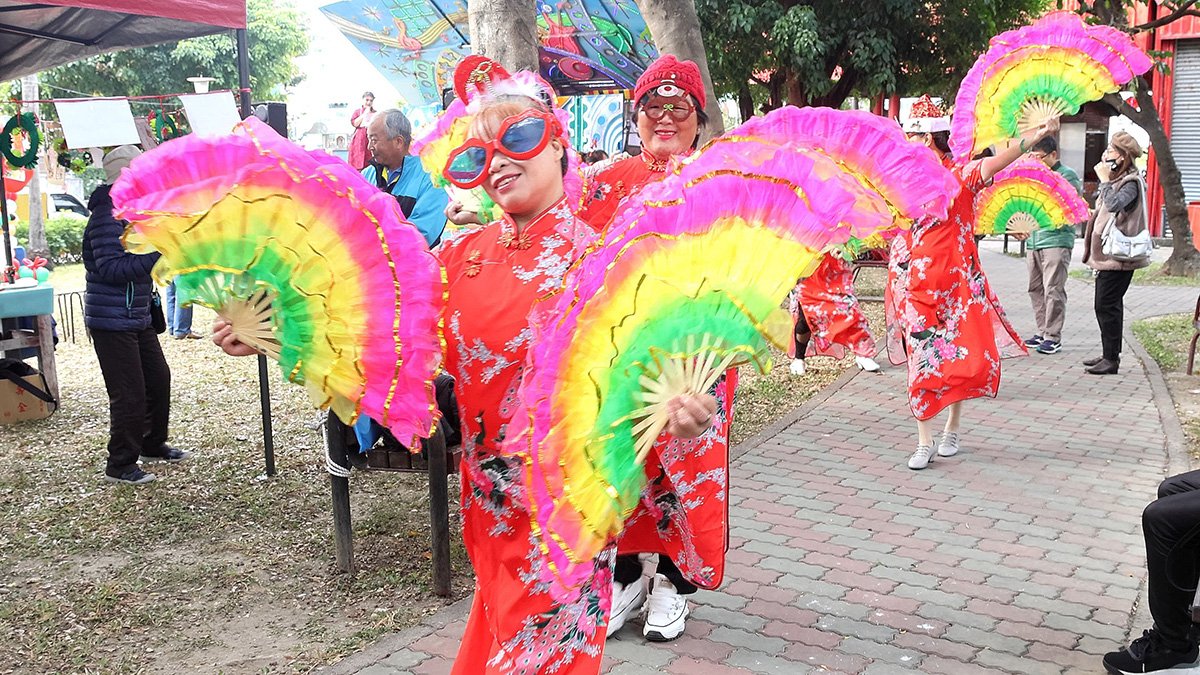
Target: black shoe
<point>1033,341</point>
<point>134,476</point>
<point>1093,361</point>
<point>166,454</point>
<point>1104,367</point>
<point>1147,654</point>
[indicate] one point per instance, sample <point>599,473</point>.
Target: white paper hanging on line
<point>103,122</point>
<point>211,114</point>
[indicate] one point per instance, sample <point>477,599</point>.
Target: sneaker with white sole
<point>948,447</point>
<point>797,367</point>
<point>627,599</point>
<point>920,458</point>
<point>866,363</point>
<point>666,612</point>
<point>1033,341</point>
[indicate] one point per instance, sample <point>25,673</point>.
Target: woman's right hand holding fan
<point>225,339</point>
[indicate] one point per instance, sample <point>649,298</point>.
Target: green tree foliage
<point>276,36</point>
<point>819,52</point>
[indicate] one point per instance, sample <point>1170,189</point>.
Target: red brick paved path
<point>1022,554</point>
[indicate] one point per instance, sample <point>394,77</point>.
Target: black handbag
<point>158,320</point>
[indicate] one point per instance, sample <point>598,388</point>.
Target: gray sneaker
<point>134,476</point>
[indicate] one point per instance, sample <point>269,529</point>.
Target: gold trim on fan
<point>250,321</point>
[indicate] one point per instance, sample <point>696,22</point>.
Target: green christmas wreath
<point>26,122</point>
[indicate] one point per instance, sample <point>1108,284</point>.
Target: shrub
<point>64,238</point>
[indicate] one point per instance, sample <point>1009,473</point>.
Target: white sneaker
<point>797,367</point>
<point>666,612</point>
<point>626,601</point>
<point>920,458</point>
<point>867,363</point>
<point>948,447</point>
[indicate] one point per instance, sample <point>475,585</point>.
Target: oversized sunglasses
<point>520,137</point>
<point>678,112</point>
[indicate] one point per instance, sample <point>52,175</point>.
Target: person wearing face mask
<point>1120,199</point>
<point>686,525</point>
<point>944,321</point>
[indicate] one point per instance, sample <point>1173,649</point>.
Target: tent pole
<point>264,386</point>
<point>8,252</point>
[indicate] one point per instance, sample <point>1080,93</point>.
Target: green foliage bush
<point>64,238</point>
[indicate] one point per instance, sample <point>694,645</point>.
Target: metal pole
<point>264,386</point>
<point>8,252</point>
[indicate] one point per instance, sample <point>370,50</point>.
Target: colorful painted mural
<point>597,122</point>
<point>587,45</point>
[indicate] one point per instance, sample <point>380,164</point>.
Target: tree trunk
<point>1184,260</point>
<point>505,30</point>
<point>745,101</point>
<point>676,30</point>
<point>37,223</point>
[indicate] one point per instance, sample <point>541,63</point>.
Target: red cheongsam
<point>832,311</point>
<point>494,279</point>
<point>684,510</point>
<point>936,283</point>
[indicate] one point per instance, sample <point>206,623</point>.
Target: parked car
<point>63,204</point>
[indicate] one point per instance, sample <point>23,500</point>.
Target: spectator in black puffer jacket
<point>117,314</point>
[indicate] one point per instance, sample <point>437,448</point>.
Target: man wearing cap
<point>393,170</point>
<point>682,516</point>
<point>117,314</point>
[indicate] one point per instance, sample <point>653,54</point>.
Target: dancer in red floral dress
<point>828,319</point>
<point>496,277</point>
<point>943,318</point>
<point>684,511</point>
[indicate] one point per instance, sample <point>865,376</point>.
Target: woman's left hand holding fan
<point>690,416</point>
<point>225,339</point>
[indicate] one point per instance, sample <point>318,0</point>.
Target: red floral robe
<point>684,510</point>
<point>936,283</point>
<point>495,279</point>
<point>832,312</point>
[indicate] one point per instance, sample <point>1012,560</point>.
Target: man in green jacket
<point>1049,256</point>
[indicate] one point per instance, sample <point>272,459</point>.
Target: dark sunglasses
<point>520,137</point>
<point>678,112</point>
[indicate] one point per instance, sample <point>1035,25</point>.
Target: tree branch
<point>1184,9</point>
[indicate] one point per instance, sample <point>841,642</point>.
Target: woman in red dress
<point>828,319</point>
<point>496,277</point>
<point>359,156</point>
<point>683,515</point>
<point>943,318</point>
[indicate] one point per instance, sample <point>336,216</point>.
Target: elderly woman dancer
<point>688,534</point>
<point>1121,200</point>
<point>496,275</point>
<point>944,319</point>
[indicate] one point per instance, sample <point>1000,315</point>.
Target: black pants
<point>628,570</point>
<point>139,395</point>
<point>801,335</point>
<point>1110,310</point>
<point>1172,527</point>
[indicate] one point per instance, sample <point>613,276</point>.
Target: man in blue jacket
<point>117,314</point>
<point>393,170</point>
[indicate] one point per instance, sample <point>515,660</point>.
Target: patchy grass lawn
<point>1166,339</point>
<point>1147,276</point>
<point>216,568</point>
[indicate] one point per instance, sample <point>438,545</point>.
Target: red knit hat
<point>669,70</point>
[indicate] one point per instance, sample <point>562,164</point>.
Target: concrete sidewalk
<point>1023,554</point>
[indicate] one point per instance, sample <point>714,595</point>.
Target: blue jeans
<point>179,319</point>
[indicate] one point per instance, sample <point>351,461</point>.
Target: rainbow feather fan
<point>1026,196</point>
<point>1033,74</point>
<point>310,264</point>
<point>686,283</point>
